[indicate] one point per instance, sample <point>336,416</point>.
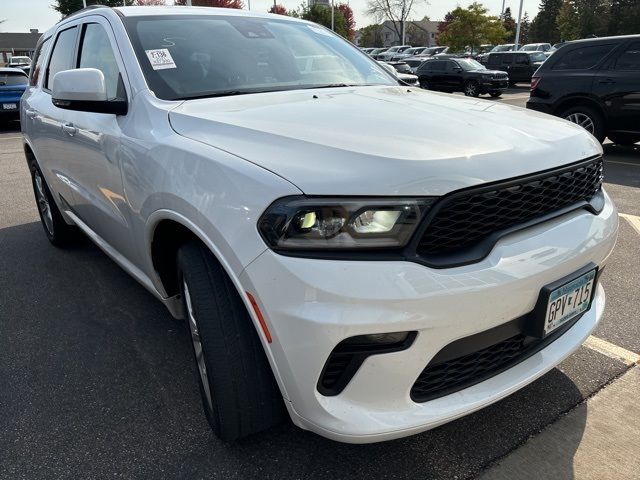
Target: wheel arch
<point>576,100</point>
<point>164,224</point>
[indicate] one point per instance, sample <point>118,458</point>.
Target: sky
<point>21,15</point>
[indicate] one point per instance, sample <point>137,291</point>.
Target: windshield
<point>15,60</point>
<point>12,79</point>
<point>537,57</point>
<point>244,55</point>
<point>502,48</point>
<point>468,64</point>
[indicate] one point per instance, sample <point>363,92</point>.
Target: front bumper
<point>311,305</point>
<point>494,85</point>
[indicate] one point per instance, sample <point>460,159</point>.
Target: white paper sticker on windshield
<point>160,59</point>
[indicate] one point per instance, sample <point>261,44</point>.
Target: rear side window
<point>582,58</point>
<point>96,52</point>
<point>63,54</point>
<point>11,79</point>
<point>522,59</point>
<point>38,59</point>
<point>507,59</point>
<point>629,60</point>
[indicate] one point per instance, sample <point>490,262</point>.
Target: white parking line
<point>632,219</point>
<point>612,351</point>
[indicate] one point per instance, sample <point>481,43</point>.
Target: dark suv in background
<point>461,75</point>
<point>594,83</point>
<point>519,65</point>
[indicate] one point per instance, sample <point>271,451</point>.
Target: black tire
<point>495,94</point>
<point>244,396</point>
<point>624,138</point>
<point>471,88</point>
<point>424,84</point>
<point>512,84</point>
<point>576,113</point>
<point>59,232</point>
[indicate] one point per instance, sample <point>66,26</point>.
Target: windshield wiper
<point>226,93</point>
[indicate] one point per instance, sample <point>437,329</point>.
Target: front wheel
<point>588,118</point>
<point>239,393</point>
<point>425,84</point>
<point>471,89</point>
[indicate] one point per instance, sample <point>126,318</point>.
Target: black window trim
<point>603,63</point>
<point>53,47</point>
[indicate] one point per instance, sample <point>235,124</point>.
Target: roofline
<point>82,10</point>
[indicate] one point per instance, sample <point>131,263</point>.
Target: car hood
<point>382,140</point>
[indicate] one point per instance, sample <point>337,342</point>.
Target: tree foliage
<point>525,29</point>
<point>509,24</point>
<point>568,21</point>
<point>278,9</point>
<point>349,20</point>
<point>371,36</point>
<point>322,15</point>
<point>67,7</point>
<point>472,27</point>
<point>544,27</point>
<point>238,4</point>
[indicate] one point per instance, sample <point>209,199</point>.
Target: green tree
<point>624,17</point>
<point>509,25</point>
<point>568,21</point>
<point>472,27</point>
<point>594,17</point>
<point>322,15</point>
<point>371,36</point>
<point>525,29</point>
<point>67,7</point>
<point>544,27</point>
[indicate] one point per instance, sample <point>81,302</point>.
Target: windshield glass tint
<point>12,79</point>
<point>469,64</point>
<point>196,56</point>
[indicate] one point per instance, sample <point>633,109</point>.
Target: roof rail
<point>90,7</point>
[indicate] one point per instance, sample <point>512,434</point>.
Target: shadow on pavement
<point>9,126</point>
<point>98,382</point>
<point>622,164</point>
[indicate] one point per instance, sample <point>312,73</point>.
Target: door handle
<point>69,129</point>
<point>607,81</point>
<point>31,113</point>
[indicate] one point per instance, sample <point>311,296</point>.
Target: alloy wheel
<point>43,203</point>
<point>470,90</point>
<point>582,119</point>
<point>197,347</point>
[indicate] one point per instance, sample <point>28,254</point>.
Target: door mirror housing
<point>84,90</point>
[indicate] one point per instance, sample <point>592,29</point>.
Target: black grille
<point>466,218</point>
<point>448,373</point>
<point>447,377</point>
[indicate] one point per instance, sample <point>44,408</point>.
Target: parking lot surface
<point>98,380</point>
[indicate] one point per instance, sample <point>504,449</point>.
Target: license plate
<point>569,300</point>
<point>9,106</point>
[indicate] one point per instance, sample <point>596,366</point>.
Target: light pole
<point>502,12</point>
<point>518,27</point>
<point>332,18</point>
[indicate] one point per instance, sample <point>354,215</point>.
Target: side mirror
<point>84,89</point>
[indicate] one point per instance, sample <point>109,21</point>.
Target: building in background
<point>17,44</point>
<point>421,33</point>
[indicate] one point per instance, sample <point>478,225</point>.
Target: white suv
<point>372,258</point>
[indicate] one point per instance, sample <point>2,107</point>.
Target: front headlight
<point>313,223</point>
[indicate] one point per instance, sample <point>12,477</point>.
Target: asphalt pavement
<point>97,380</point>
